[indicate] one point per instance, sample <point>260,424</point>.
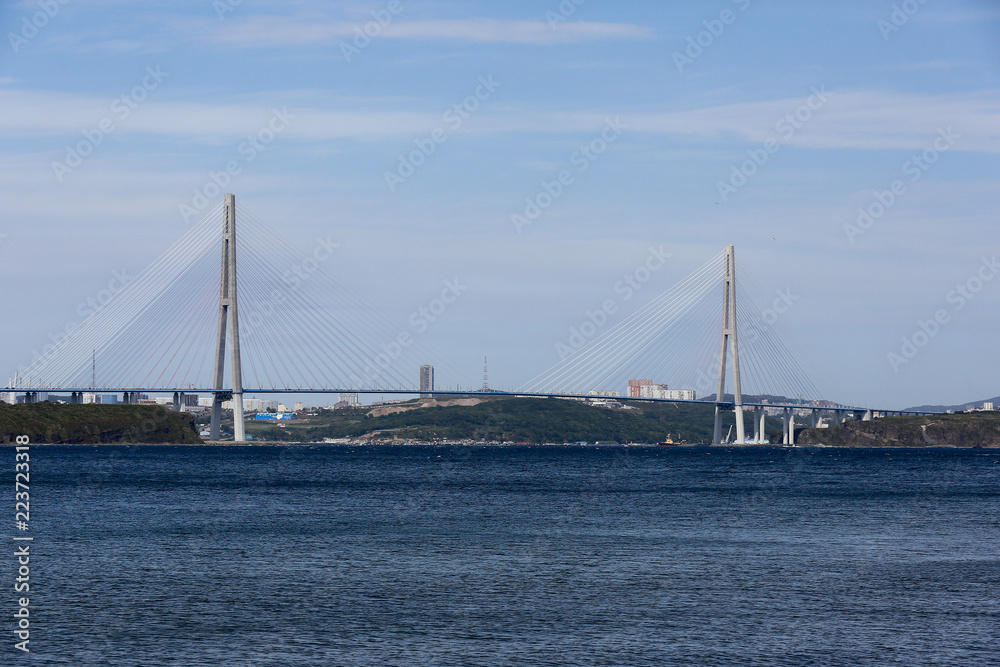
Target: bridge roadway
<point>725,405</point>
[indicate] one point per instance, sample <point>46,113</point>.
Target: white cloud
<point>523,32</point>
<point>277,31</point>
<point>848,120</point>
<point>45,113</point>
<point>851,120</point>
<point>958,14</point>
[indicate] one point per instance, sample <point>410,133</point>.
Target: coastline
<point>420,443</point>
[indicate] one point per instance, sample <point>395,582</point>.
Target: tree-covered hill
<point>976,429</point>
<point>513,420</point>
<point>54,423</point>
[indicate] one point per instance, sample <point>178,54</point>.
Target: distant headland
<point>970,429</point>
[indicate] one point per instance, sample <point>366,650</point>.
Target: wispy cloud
<point>960,14</point>
<point>48,113</point>
<point>925,66</point>
<point>278,31</point>
<point>850,120</point>
<point>860,120</point>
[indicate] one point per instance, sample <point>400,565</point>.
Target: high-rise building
<point>258,405</point>
<point>426,380</point>
<point>635,387</point>
<point>662,391</point>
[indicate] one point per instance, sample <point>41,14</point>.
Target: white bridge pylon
<point>730,341</point>
<point>228,310</point>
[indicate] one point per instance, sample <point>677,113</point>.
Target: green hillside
<point>513,420</point>
<point>54,423</point>
<point>976,429</point>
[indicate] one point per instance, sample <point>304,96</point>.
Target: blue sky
<point>875,84</point>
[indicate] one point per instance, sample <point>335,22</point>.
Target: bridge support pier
<point>784,426</point>
<point>717,431</point>
<point>215,426</point>
<point>741,435</point>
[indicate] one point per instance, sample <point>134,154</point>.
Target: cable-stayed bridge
<point>273,322</point>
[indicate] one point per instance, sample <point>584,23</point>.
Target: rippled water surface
<point>332,555</point>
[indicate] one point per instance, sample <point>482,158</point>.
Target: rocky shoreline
<point>966,430</point>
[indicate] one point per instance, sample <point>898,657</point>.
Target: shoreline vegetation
<point>60,423</point>
<point>966,430</point>
<point>479,421</point>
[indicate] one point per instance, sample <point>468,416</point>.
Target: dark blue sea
<point>335,555</point>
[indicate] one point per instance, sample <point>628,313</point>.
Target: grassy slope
<point>979,429</point>
<point>515,420</point>
<point>77,424</point>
